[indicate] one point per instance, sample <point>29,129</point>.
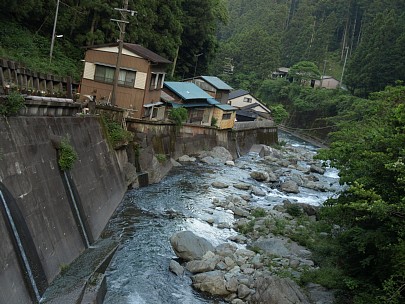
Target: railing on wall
<point>14,76</point>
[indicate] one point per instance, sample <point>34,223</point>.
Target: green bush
<point>258,212</point>
<point>12,104</point>
<point>67,155</point>
<point>116,134</point>
<point>178,116</point>
<point>214,122</point>
<point>161,157</point>
<point>294,210</point>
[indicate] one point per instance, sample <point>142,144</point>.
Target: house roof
<point>186,90</point>
<point>137,49</point>
<point>225,107</point>
<point>237,93</point>
<point>190,105</point>
<point>255,105</point>
<point>216,82</point>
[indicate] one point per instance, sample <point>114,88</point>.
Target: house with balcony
<point>214,86</point>
<point>202,108</point>
<point>141,77</point>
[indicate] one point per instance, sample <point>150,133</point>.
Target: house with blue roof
<point>202,108</point>
<point>214,86</point>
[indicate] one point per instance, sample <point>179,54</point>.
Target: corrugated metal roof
<point>145,53</point>
<point>226,107</point>
<point>190,105</point>
<point>237,93</point>
<point>186,90</point>
<point>216,82</point>
<point>213,101</point>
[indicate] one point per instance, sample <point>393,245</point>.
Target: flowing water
<point>147,217</point>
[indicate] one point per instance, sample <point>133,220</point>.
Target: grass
<point>32,50</point>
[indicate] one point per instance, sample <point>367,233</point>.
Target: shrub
<point>161,157</point>
<point>178,116</point>
<point>116,134</point>
<point>258,212</point>
<point>294,210</point>
<point>214,122</point>
<point>67,155</point>
<point>12,104</point>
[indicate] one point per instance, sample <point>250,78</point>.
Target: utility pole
<point>54,31</point>
<point>121,25</point>
<point>196,61</point>
<point>323,72</point>
<point>344,66</point>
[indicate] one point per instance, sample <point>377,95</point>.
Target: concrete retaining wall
<point>30,173</point>
<point>190,139</point>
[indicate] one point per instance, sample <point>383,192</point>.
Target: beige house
<point>327,82</point>
<point>249,108</point>
<point>141,77</point>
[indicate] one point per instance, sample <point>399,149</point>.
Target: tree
<point>369,151</point>
<point>304,71</point>
<point>377,61</point>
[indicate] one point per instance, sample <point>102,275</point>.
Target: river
<point>147,217</point>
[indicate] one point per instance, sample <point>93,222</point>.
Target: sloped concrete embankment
<point>42,214</point>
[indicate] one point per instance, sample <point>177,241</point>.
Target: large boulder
<point>275,290</point>
<point>189,246</point>
<point>217,154</point>
<point>317,169</point>
<point>212,282</point>
<point>289,187</point>
<point>186,159</point>
<point>260,176</point>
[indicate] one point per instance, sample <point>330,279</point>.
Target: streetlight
<point>196,61</point>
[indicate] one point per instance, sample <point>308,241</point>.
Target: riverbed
<point>147,217</point>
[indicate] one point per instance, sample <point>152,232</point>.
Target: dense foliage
<point>12,104</point>
<point>263,35</point>
<point>176,29</point>
<point>369,150</point>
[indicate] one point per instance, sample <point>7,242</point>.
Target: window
<point>126,78</point>
<point>153,80</point>
<point>247,99</point>
<point>226,116</point>
<point>106,74</point>
<point>160,81</point>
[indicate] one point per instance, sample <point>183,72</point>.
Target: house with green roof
<point>202,108</point>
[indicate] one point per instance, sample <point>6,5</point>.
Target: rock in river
<point>189,246</point>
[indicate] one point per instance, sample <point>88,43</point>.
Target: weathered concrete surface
<point>165,138</point>
<point>29,170</point>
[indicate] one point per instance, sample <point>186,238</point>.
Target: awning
<point>153,104</point>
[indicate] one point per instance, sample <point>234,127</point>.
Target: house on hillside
<point>213,86</point>
<point>249,108</point>
<point>327,82</point>
<point>141,77</point>
<point>201,106</point>
<point>280,73</point>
